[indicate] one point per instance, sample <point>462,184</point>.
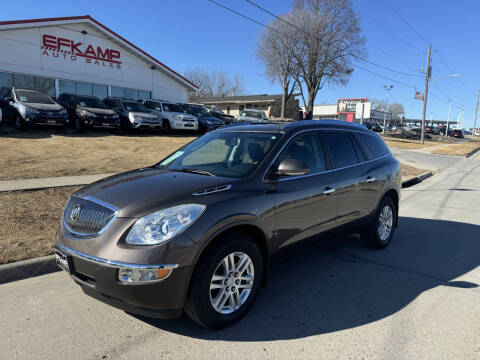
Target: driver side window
<point>307,149</point>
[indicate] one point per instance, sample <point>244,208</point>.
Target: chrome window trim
<point>116,264</point>
<point>99,202</point>
<point>325,171</point>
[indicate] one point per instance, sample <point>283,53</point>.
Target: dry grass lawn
<point>457,149</point>
<point>28,221</point>
<point>410,171</point>
<point>408,143</point>
<point>40,153</point>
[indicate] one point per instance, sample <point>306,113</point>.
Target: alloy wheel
<point>231,282</point>
<point>385,223</point>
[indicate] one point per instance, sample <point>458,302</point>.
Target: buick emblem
<point>75,212</point>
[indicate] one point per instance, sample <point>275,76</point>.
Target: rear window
<point>372,145</point>
<point>341,148</point>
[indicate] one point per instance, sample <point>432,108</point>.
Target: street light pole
<point>448,118</point>
<point>428,73</point>
<point>388,88</point>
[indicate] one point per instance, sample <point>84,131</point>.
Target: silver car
<point>172,116</point>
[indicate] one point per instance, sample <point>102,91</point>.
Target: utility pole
<point>428,73</point>
<point>388,88</point>
<point>476,110</point>
<point>448,118</point>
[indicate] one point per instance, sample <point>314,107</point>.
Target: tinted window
<point>131,93</point>
<point>33,97</point>
<point>307,149</point>
<point>172,108</point>
<point>372,145</point>
<point>84,88</point>
<point>118,92</point>
<point>6,79</point>
<point>66,86</point>
<point>134,106</point>
<point>24,81</point>
<point>341,148</point>
<point>90,102</point>
<point>100,91</point>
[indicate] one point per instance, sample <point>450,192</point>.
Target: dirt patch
<point>457,149</point>
<point>29,220</point>
<point>410,171</point>
<point>40,153</point>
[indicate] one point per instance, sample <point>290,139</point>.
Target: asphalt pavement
<point>326,299</point>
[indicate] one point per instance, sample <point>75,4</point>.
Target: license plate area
<point>63,261</point>
<point>51,121</point>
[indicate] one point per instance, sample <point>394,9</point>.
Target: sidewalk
<point>42,183</point>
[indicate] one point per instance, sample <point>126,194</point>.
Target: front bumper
<point>146,124</point>
<point>46,119</point>
<point>185,125</point>
<point>101,121</point>
<point>99,278</point>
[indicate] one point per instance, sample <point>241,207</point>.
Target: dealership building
<point>80,55</point>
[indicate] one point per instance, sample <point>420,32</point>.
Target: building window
<point>118,91</point>
<point>66,86</point>
<point>142,94</point>
<point>23,81</point>
<point>83,88</point>
<point>46,85</point>
<point>100,91</point>
<point>131,93</point>
<point>6,79</point>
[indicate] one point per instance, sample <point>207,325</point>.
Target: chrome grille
<point>86,217</point>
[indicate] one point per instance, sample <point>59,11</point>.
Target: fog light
<point>140,276</point>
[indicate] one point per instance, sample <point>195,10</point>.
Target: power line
<point>406,22</point>
<point>309,34</point>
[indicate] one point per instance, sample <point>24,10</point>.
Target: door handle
<point>370,179</point>
<point>328,190</point>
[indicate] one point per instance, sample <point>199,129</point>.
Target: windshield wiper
<point>194,171</point>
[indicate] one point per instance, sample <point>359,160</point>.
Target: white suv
<point>172,116</point>
<point>252,115</point>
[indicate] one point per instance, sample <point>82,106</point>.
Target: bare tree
<point>395,108</point>
<point>214,83</point>
<point>329,39</point>
<point>275,50</point>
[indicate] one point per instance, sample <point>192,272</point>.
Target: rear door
<point>304,205</point>
<point>348,175</point>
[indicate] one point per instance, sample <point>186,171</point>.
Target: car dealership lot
<point>325,299</point>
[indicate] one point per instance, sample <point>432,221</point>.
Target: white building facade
<point>80,55</point>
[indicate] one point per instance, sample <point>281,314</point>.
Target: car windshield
<point>216,109</point>
<point>134,106</point>
<point>33,97</point>
<point>226,154</point>
<point>172,107</point>
<point>198,112</point>
<point>253,114</point>
<point>90,102</point>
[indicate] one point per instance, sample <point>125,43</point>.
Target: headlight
<point>62,112</point>
<point>31,111</point>
<point>209,122</point>
<point>115,116</point>
<point>163,225</point>
<point>87,113</point>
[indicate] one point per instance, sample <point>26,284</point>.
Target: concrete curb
<point>27,268</point>
<point>472,152</point>
<point>417,179</point>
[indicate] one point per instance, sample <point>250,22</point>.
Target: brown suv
<point>196,231</point>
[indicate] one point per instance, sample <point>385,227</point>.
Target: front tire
<point>19,123</point>
<point>226,282</point>
<point>380,232</point>
<point>167,129</point>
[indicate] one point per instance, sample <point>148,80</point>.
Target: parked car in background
<point>466,132</point>
<point>133,115</point>
<point>31,107</point>
<point>197,231</point>
<point>172,116</point>
<point>252,115</point>
<point>218,113</point>
<point>88,112</point>
<point>432,130</point>
<point>206,120</point>
<point>456,133</point>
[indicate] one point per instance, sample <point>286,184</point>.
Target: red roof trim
<point>88,17</point>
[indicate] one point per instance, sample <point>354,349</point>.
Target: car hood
<point>97,110</point>
<point>47,107</point>
<point>249,118</point>
<point>141,192</point>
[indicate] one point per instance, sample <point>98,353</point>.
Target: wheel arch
<point>395,196</point>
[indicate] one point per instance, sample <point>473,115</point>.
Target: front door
<point>304,205</point>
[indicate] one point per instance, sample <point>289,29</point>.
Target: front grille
<point>85,217</point>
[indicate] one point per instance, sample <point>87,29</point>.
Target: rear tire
<point>233,289</point>
<point>380,232</point>
<point>77,125</point>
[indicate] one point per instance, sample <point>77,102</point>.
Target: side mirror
<point>292,167</point>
